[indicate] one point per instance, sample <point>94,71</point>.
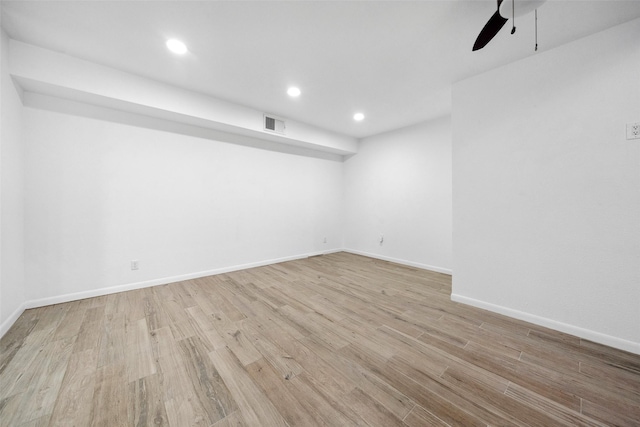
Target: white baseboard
<point>58,299</point>
<point>9,321</point>
<point>587,334</point>
<point>160,281</point>
<point>401,261</point>
<point>549,323</point>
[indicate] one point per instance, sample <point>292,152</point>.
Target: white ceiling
<point>394,61</point>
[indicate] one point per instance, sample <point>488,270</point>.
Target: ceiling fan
<point>506,9</point>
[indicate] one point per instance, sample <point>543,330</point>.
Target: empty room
<point>320,213</point>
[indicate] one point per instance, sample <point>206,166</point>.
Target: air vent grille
<point>274,124</point>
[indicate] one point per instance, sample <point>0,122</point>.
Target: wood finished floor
<point>337,340</point>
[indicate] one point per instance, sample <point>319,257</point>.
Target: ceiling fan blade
<point>491,28</point>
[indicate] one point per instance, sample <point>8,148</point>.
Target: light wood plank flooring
<point>336,340</point>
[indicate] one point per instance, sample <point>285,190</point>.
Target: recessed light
<point>293,91</point>
<point>176,46</point>
<point>358,117</point>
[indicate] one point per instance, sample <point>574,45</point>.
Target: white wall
<point>12,295</point>
<point>399,185</point>
<point>546,189</point>
<point>100,194</point>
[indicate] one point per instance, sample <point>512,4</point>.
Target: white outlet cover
<point>633,130</point>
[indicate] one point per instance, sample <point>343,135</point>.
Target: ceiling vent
<point>274,124</point>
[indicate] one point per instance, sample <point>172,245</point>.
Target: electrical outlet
<point>633,130</point>
<point>134,264</point>
<point>325,240</point>
<point>381,239</point>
